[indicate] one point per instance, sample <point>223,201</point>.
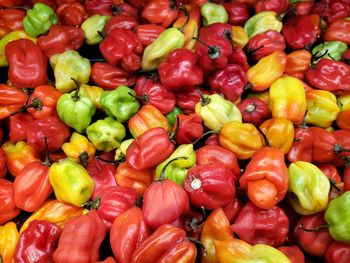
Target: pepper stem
<point>213,51</point>
<point>144,98</point>
<point>314,228</point>
<point>162,174</point>
<point>102,34</point>
<point>183,9</point>
<point>47,161</point>
<point>339,149</point>
<point>83,158</point>
<point>198,245</point>
<point>205,134</point>
<point>204,100</point>
<point>346,160</point>
<point>173,133</point>
<point>35,104</point>
<point>75,96</point>
<point>115,162</point>
<point>252,51</point>
<point>94,204</point>
<point>333,184</point>
<point>267,143</point>
<point>139,202</point>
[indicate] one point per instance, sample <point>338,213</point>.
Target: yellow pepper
<point>344,102</point>
<point>261,22</point>
<point>93,92</point>
<point>190,31</point>
<point>8,242</point>
<point>79,149</point>
<point>239,36</point>
<point>288,99</point>
<point>322,108</point>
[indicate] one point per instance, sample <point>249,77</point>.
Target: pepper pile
<point>174,131</point>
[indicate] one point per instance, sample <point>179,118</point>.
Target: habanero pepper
<point>187,99</point>
<point>254,111</point>
<point>11,20</point>
<point>147,33</point>
<point>239,57</point>
<point>332,10</point>
<point>298,62</point>
<point>342,120</point>
<point>98,7</point>
<point>261,22</point>
<point>93,92</point>
<point>294,253</point>
<point>91,26</point>
<point>71,14</point>
<point>8,241</point>
<point>239,40</point>
<point>332,50</point>
<point>162,12</point>
<point>302,147</point>
<point>278,6</point>
<point>343,139</point>
<point>337,252</point>
<point>213,13</point>
<point>338,31</point>
<point>238,13</point>
<point>121,20</point>
<point>3,168</point>
<point>18,125</point>
<point>7,205</point>
<point>187,128</point>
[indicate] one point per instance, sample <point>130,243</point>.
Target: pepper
<point>310,188</point>
<point>3,168</point>
<point>39,20</point>
<point>331,50</point>
<point>76,111</point>
<point>71,14</point>
<point>254,110</point>
<point>107,260</point>
<point>261,22</point>
<point>188,128</point>
<point>272,5</point>
<point>11,20</point>
<point>123,20</point>
<point>239,57</point>
<point>259,226</point>
<point>337,252</point>
<point>106,134</point>
<point>298,62</point>
<point>239,37</point>
<point>238,13</point>
<point>187,99</point>
<point>338,31</point>
<point>171,116</point>
<point>7,205</point>
<point>25,59</point>
<point>162,12</point>
<point>91,26</point>
<point>302,146</point>
<point>39,240</point>
<point>247,140</point>
<point>89,230</point>
<point>147,33</point>
<point>8,241</point>
<point>93,92</point>
<point>213,13</point>
<point>342,120</point>
<point>294,253</point>
<point>18,125</point>
<point>70,182</point>
<point>101,7</point>
<point>69,66</point>
<point>332,10</point>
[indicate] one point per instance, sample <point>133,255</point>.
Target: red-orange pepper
<point>11,100</point>
<point>8,209</point>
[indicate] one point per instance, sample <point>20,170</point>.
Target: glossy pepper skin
<point>259,226</point>
<point>25,59</point>
<point>302,147</point>
<point>71,14</point>
<point>261,22</point>
<point>18,125</point>
<point>93,92</point>
<point>8,241</point>
<point>338,31</point>
<point>331,50</point>
<point>39,20</point>
<point>337,252</point>
<point>213,13</point>
<point>294,253</point>
<point>8,207</point>
<point>11,100</point>
<point>11,20</point>
<point>39,240</point>
<point>161,12</point>
<point>92,25</point>
<point>298,62</point>
<point>190,128</point>
<point>89,230</point>
<point>254,111</point>
<point>187,99</point>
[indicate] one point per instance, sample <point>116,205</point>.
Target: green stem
<point>35,104</point>
<point>75,96</point>
<point>314,228</point>
<point>213,51</point>
<point>83,158</point>
<point>267,143</point>
<point>204,100</point>
<point>198,245</point>
<point>162,174</point>
<point>144,98</point>
<point>205,134</point>
<point>339,149</point>
<point>94,204</point>
<point>47,161</point>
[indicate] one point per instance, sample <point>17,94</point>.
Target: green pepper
<point>169,40</point>
<point>331,50</point>
<point>177,170</point>
<point>106,134</point>
<point>120,103</point>
<point>39,20</point>
<point>261,22</point>
<point>70,67</point>
<point>76,111</point>
<point>309,187</point>
<point>92,26</point>
<point>71,182</point>
<point>337,217</point>
<point>171,116</point>
<point>213,13</point>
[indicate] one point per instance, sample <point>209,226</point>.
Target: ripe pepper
<point>18,125</point>
<point>75,110</point>
<point>331,50</point>
<point>69,66</point>
<point>294,253</point>
<point>259,226</point>
<point>39,20</point>
<point>93,92</point>
<point>147,33</point>
<point>92,25</point>
<point>11,20</point>
<point>338,31</point>
<point>3,168</point>
<point>8,208</point>
<point>272,5</point>
<point>247,140</point>
<point>188,129</point>
<point>239,38</point>
<point>60,39</point>
<point>89,230</point>
<point>254,110</point>
<point>127,233</point>
<point>8,241</point>
<point>332,10</point>
<point>337,252</point>
<point>298,62</point>
<point>343,140</point>
<point>329,75</point>
<point>70,182</point>
<point>162,12</point>
<point>122,20</point>
<point>187,99</point>
<point>213,13</point>
<point>18,155</point>
<point>342,120</point>
<point>101,7</point>
<point>267,70</point>
<point>106,134</point>
<point>71,14</point>
<point>302,147</point>
<point>25,59</point>
<point>261,22</point>
<point>238,13</point>
<point>38,241</point>
<point>310,188</point>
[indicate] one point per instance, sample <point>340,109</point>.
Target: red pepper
<point>50,3</point>
<point>3,168</point>
<point>100,7</point>
<point>337,252</point>
<point>11,19</point>
<point>278,6</point>
<point>161,12</point>
<point>332,10</point>
<point>151,92</point>
<point>239,57</point>
<point>232,210</point>
<point>330,75</point>
<point>147,33</point>
<point>187,99</point>
<point>190,128</point>
<point>81,239</point>
<point>149,149</point>
<point>254,110</point>
<point>330,171</point>
<point>60,39</point>
<point>127,233</point>
<point>107,260</point>
<point>11,100</point>
<point>302,147</point>
<point>8,209</point>
<point>210,185</point>
<point>50,127</point>
<point>346,175</point>
<point>238,13</point>
<point>18,125</point>
<point>294,253</point>
<point>38,242</point>
<point>10,3</point>
<point>339,30</point>
<point>27,64</point>
<point>110,77</point>
<point>213,140</point>
<point>124,21</point>
<point>304,7</point>
<point>343,139</point>
<point>179,70</point>
<point>71,14</point>
<point>260,226</point>
<point>120,7</point>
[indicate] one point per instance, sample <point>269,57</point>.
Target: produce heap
<point>174,131</point>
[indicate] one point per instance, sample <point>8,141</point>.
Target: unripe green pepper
<point>331,50</point>
<point>106,134</point>
<point>171,116</point>
<point>39,20</point>
<point>120,103</point>
<point>261,22</point>
<point>76,111</point>
<point>213,13</point>
<point>71,182</point>
<point>92,26</point>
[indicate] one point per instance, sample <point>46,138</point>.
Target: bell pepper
<point>331,50</point>
<point>294,253</point>
<point>337,251</point>
<point>127,233</point>
<point>106,134</point>
<point>266,177</point>
<point>71,14</point>
<point>216,227</point>
<point>322,108</point>
<point>93,92</point>
<point>261,22</point>
<point>7,205</point>
<point>177,170</point>
<point>213,13</point>
<point>38,241</point>
<point>70,182</point>
<point>310,188</point>
<point>18,125</point>
<point>25,59</point>
<point>11,20</point>
<point>11,36</point>
<point>75,110</point>
<point>187,99</point>
<point>302,146</point>
<point>69,66</point>
<point>247,140</point>
<point>238,13</point>
<point>147,33</point>
<point>338,31</point>
<point>267,70</point>
<point>259,226</point>
<point>8,241</point>
<point>298,62</point>
<point>91,26</point>
<point>254,110</point>
<point>18,155</point>
<point>329,75</point>
<point>39,20</point>
<point>89,230</point>
<point>60,39</point>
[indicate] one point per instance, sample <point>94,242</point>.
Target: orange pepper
<point>11,100</point>
<point>298,62</point>
<point>8,242</point>
<point>343,120</point>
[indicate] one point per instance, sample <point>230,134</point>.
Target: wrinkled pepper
<point>11,100</point>
<point>161,12</point>
<point>302,146</point>
<point>11,20</point>
<point>91,26</point>
<point>7,205</point>
<point>331,50</point>
<point>71,14</point>
<point>338,31</point>
<point>261,22</point>
<point>8,241</point>
<point>213,13</point>
<point>254,110</point>
<point>337,252</point>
